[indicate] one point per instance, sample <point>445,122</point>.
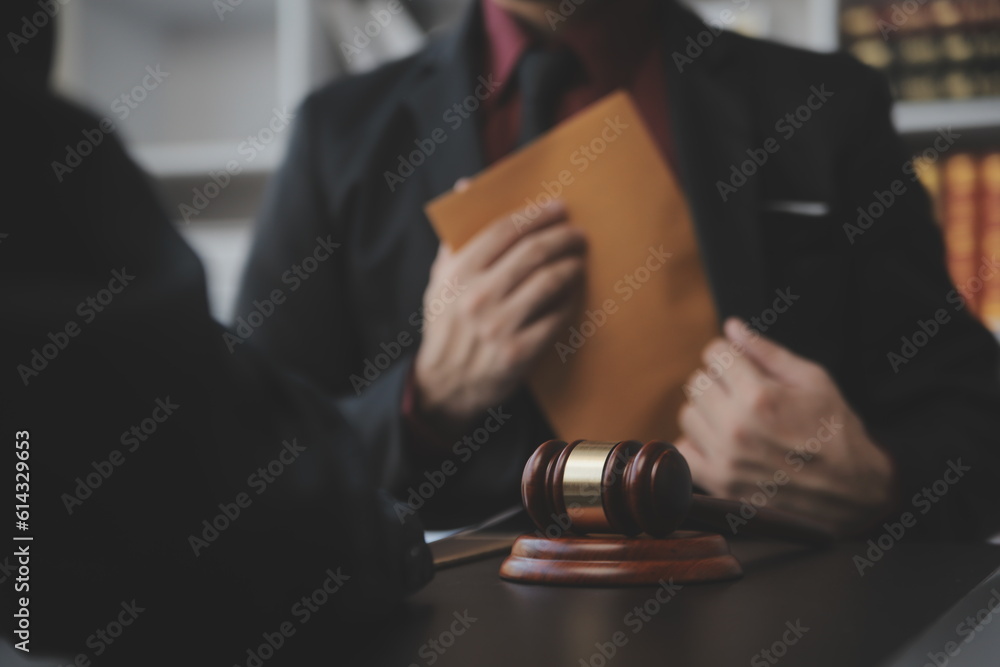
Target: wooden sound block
<point>684,556</point>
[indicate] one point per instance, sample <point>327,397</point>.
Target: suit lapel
<point>712,126</point>
<point>449,78</point>
<point>711,122</point>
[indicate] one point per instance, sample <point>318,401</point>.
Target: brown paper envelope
<point>611,375</point>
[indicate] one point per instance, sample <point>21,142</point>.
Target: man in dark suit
<point>775,148</point>
<point>184,505</point>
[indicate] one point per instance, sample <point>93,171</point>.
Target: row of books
<point>966,191</point>
<point>928,49</point>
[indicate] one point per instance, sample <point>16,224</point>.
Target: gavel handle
<point>777,524</point>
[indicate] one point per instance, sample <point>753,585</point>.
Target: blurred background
<point>203,93</point>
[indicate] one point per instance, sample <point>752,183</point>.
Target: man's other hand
<point>775,423</point>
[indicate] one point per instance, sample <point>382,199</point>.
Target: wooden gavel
<point>630,488</point>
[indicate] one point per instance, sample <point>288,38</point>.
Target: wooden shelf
<point>192,159</point>
<point>919,117</point>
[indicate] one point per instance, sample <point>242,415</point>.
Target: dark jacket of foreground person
<point>186,503</point>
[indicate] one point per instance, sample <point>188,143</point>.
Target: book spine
<point>945,49</point>
<point>990,240</point>
<point>929,174</point>
<point>960,224</point>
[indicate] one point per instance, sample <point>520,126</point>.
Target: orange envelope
<point>618,369</point>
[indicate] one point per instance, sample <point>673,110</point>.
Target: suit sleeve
<point>318,330</point>
<point>927,373</point>
<point>172,470</point>
<point>313,331</point>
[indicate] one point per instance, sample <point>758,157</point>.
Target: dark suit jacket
<point>858,295</point>
<point>141,427</point>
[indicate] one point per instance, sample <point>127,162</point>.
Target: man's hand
<point>517,289</point>
<point>774,418</point>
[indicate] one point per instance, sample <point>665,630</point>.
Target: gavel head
<point>591,487</point>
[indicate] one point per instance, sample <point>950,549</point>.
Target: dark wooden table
<point>792,607</point>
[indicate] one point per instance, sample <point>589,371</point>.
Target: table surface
<point>843,618</point>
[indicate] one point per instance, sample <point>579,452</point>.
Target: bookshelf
<point>942,59</point>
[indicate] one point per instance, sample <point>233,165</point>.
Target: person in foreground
<point>802,389</point>
<point>186,505</point>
